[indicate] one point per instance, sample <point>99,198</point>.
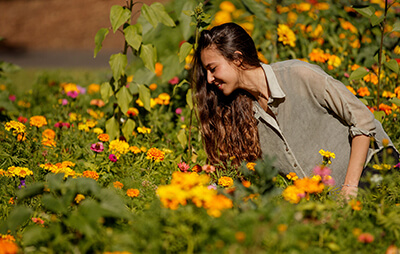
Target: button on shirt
<point>312,111</point>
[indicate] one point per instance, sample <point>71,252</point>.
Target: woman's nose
<point>210,77</point>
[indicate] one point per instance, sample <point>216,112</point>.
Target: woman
<point>289,110</point>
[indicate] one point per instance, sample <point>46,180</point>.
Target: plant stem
<point>382,26</point>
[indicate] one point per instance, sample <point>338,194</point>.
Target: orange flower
<point>355,205</point>
<point>103,137</point>
<point>135,149</point>
<point>90,174</point>
<point>48,134</point>
<point>386,108</point>
<point>225,181</point>
<point>251,165</point>
<point>132,193</point>
<point>155,155</point>
<point>153,86</point>
<point>118,185</point>
<point>246,183</point>
<point>351,89</point>
<point>159,69</point>
<point>371,78</point>
<point>38,121</point>
<point>132,112</point>
<point>363,91</point>
<point>8,247</point>
<point>318,55</point>
<point>79,198</point>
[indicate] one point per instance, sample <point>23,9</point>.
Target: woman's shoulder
<point>295,66</point>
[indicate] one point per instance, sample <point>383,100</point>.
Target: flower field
<point>117,165</point>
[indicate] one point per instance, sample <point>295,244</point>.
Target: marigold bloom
<point>292,176</point>
<point>309,185</point>
<point>293,194</point>
<point>155,154</point>
<point>48,134</point>
<point>351,89</point>
<point>103,137</point>
<point>225,181</point>
<point>286,35</point>
<point>118,185</point>
<point>144,130</point>
<point>8,247</point>
<point>363,91</point>
<point>388,94</point>
<point>19,171</point>
<point>246,183</point>
<point>93,88</point>
<point>315,33</point>
<point>135,149</point>
<point>153,86</point>
<point>79,198</point>
<point>97,102</point>
<point>132,193</point>
<point>227,6</point>
<point>386,108</point>
<point>216,203</point>
<point>221,17</point>
<point>118,147</point>
<point>70,87</point>
<point>251,165</point>
<point>318,55</point>
<point>197,168</point>
<point>171,196</point>
<point>163,99</point>
<point>373,78</point>
<point>90,174</point>
<point>303,7</point>
<point>355,205</point>
<point>348,26</point>
<point>132,112</point>
<point>159,69</point>
<point>38,121</point>
<point>334,61</point>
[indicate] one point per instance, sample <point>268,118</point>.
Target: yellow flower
<point>90,174</point>
<point>93,88</point>
<point>118,147</point>
<point>282,228</point>
<point>159,69</point>
<point>292,176</point>
<point>250,166</point>
<point>132,193</point>
<point>155,155</point>
<point>221,17</point>
<point>327,154</point>
<point>135,149</point>
<point>291,18</point>
<point>293,194</point>
<point>79,198</point>
<point>48,134</point>
<point>227,6</point>
<point>118,185</point>
<point>355,205</point>
<point>286,35</point>
<point>132,112</point>
<point>396,50</point>
<point>225,181</point>
<point>38,121</point>
<point>309,185</point>
<point>15,127</point>
<point>348,26</point>
<point>246,183</point>
<point>144,130</point>
<point>303,7</point>
<point>98,131</point>
<point>70,87</point>
<point>19,171</point>
<point>129,79</point>
<point>351,89</point>
<point>334,61</point>
<point>163,99</point>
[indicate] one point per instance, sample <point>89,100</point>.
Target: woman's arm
<point>359,150</point>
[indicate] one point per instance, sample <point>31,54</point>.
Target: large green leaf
<point>163,16</point>
<point>182,138</point>
<point>128,128</point>
<point>112,128</point>
<point>396,27</point>
<point>133,35</point>
<point>150,15</point>
<point>30,191</point>
<point>375,20</point>
<point>255,8</point>
<point>379,115</point>
<point>149,56</point>
<point>118,16</point>
<point>118,62</point>
<point>185,20</point>
<point>99,38</point>
<point>365,11</point>
<point>184,51</point>
<point>106,91</point>
<point>17,217</point>
<point>189,98</point>
<point>395,100</point>
<point>144,96</point>
<point>393,65</point>
<point>359,73</point>
<point>54,204</point>
<point>124,97</point>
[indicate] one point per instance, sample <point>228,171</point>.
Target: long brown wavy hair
<point>228,125</point>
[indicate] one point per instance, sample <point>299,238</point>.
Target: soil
<point>37,28</point>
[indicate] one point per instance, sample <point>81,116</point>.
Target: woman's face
<point>220,72</point>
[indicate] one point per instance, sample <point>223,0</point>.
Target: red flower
<point>366,238</point>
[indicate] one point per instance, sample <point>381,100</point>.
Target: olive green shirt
<point>312,111</point>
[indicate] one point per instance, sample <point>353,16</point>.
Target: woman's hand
<point>349,192</point>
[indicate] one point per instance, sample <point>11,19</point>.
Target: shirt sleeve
<point>335,97</point>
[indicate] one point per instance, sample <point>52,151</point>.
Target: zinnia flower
<point>155,154</point>
<point>174,80</point>
<point>97,147</point>
<point>112,158</point>
<point>183,166</point>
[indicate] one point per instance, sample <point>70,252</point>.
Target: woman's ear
<point>238,58</point>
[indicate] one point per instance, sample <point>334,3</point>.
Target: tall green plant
<point>116,90</point>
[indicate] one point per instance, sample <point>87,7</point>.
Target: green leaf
<point>150,15</point>
<point>159,9</point>
<point>185,19</point>
<point>255,8</point>
<point>124,97</point>
<point>375,20</point>
<point>366,11</point>
<point>98,39</point>
<point>395,100</point>
<point>396,27</point>
<point>134,88</point>
<point>359,73</point>
<point>149,56</point>
<point>393,65</point>
<point>112,128</point>
<point>379,115</point>
<point>182,138</point>
<point>376,57</point>
<point>53,204</point>
<point>184,51</point>
<point>17,217</point>
<point>133,35</point>
<point>144,96</point>
<point>30,191</point>
<point>118,16</point>
<point>35,234</point>
<point>106,91</point>
<point>364,101</point>
<point>189,99</point>
<point>128,128</point>
<point>118,62</point>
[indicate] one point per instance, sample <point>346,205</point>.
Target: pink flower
<point>208,168</point>
<point>12,97</point>
<point>346,75</point>
<point>322,171</point>
<point>82,90</point>
<point>366,238</point>
<point>212,186</point>
<point>174,80</point>
<point>112,158</point>
<point>22,119</point>
<point>61,124</point>
<point>64,102</point>
<point>183,166</point>
<point>178,111</point>
<point>328,180</point>
<point>97,147</point>
<point>72,94</point>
